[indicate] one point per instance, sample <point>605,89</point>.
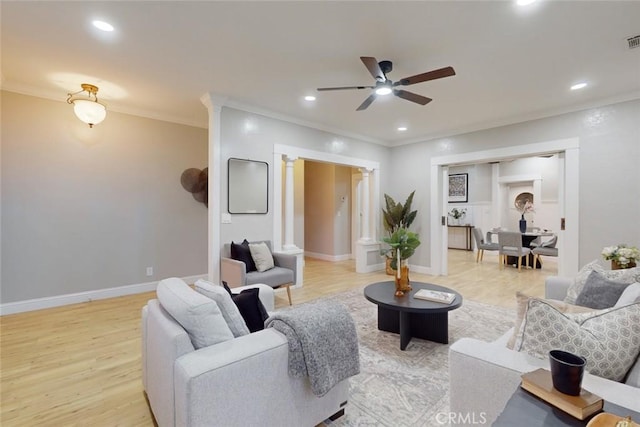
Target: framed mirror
<point>248,186</point>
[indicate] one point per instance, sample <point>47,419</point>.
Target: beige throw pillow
<point>261,256</point>
<point>608,339</point>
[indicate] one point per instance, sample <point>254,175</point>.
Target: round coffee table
<point>409,316</point>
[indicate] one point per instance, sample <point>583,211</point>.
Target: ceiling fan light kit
<point>87,107</point>
<point>384,86</point>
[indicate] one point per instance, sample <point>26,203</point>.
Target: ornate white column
<point>214,105</point>
<point>367,249</point>
<point>289,244</point>
<point>365,204</point>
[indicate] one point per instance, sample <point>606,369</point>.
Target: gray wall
<point>609,173</point>
<point>248,135</point>
<point>87,209</point>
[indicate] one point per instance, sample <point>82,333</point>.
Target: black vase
<point>567,370</point>
<point>523,224</point>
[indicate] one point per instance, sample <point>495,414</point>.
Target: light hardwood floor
<point>80,364</point>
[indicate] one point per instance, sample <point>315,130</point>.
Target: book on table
<point>435,296</point>
<point>539,384</point>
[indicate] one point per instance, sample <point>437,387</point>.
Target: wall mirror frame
<point>247,186</point>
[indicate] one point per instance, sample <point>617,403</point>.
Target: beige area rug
<point>408,388</point>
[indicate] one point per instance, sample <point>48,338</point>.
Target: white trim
<point>324,257</point>
<point>518,178</point>
<point>522,118</point>
<point>568,238</point>
<point>420,269</point>
<point>497,154</point>
<point>306,123</point>
<point>88,296</point>
<point>304,153</point>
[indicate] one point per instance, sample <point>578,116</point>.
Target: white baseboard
<point>419,269</point>
<point>60,300</point>
<point>325,257</point>
<point>373,267</point>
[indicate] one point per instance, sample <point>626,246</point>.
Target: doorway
<point>568,185</point>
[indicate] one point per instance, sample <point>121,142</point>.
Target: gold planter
<point>390,271</point>
<point>403,285</point>
<point>616,266</point>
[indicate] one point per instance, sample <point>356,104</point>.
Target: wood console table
<point>460,237</point>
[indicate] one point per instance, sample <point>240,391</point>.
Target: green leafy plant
<point>404,240</point>
<point>397,215</point>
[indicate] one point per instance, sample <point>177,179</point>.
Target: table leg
<point>405,330</point>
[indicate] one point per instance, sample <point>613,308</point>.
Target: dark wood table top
<point>383,294</point>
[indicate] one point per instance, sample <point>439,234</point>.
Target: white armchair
<point>238,382</point>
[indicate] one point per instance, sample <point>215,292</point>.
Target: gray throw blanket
<point>323,343</point>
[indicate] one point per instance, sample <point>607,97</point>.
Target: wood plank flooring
<point>80,364</point>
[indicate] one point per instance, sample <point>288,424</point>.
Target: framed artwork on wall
<point>459,188</point>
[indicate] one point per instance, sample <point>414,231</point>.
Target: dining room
<point>516,195</point>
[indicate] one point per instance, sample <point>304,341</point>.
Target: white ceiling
<point>512,63</point>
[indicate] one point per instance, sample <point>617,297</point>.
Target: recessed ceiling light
<point>524,2</point>
<point>402,128</point>
<point>101,25</point>
<point>578,86</point>
<point>309,98</point>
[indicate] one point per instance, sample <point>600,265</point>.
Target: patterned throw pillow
<point>522,303</point>
<point>627,275</point>
<point>608,339</point>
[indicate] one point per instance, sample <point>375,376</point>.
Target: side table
<point>525,410</point>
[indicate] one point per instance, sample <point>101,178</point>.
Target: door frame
<point>568,197</point>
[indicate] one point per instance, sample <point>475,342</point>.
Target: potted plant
<point>402,245</point>
<point>457,215</point>
<point>396,216</point>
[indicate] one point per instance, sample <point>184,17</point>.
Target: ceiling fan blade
<point>366,102</point>
<point>374,68</point>
<point>413,97</point>
<point>429,75</point>
<point>345,88</point>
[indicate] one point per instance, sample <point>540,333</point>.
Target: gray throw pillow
<point>600,292</point>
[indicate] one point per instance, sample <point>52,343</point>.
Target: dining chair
<point>547,248</point>
<point>482,244</point>
<point>510,244</point>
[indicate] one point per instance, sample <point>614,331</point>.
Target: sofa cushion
<point>197,314</point>
<point>628,275</point>
<point>262,256</point>
<point>275,277</point>
<point>630,295</point>
<point>250,307</point>
<point>608,339</point>
<point>241,252</point>
<point>522,303</point>
<point>228,308</point>
<point>599,292</point>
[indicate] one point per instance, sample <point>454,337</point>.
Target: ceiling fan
<point>384,86</point>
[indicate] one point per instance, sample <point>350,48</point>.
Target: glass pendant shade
<point>90,112</point>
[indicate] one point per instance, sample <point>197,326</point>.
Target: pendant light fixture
<point>87,107</point>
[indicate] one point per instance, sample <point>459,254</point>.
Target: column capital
<point>290,159</point>
<point>366,170</point>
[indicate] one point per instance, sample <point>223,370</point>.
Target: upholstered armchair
<point>483,244</point>
<point>236,273</point>
<point>199,371</point>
